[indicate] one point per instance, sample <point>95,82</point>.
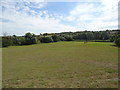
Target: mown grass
<point>61,65</point>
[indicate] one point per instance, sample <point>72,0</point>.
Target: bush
<point>117,42</point>
<point>6,41</point>
<point>117,38</point>
<point>68,38</point>
<point>46,39</point>
<point>30,39</point>
<point>62,38</point>
<point>34,40</point>
<point>112,38</point>
<point>22,41</point>
<point>55,38</point>
<point>16,40</point>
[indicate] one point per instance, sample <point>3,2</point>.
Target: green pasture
<point>61,65</point>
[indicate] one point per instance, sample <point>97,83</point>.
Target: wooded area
<point>30,38</point>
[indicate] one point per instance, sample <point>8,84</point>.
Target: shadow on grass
<point>115,45</point>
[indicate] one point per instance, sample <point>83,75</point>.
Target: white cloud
<point>22,22</point>
<point>95,16</point>
<point>90,16</point>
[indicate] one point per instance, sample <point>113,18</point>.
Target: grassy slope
<point>62,64</point>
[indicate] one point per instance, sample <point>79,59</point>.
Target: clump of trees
<point>46,39</point>
<point>116,38</point>
<point>30,38</point>
<point>6,41</point>
<point>56,38</point>
<point>14,40</point>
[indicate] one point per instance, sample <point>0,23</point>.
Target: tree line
<point>30,38</point>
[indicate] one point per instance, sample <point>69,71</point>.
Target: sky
<point>21,16</point>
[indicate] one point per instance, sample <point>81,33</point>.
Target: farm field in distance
<point>61,65</point>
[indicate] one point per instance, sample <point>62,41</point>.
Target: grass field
<point>61,65</point>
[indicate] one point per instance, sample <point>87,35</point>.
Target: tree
<point>22,41</point>
<point>7,41</point>
<point>90,36</point>
<point>55,38</point>
<point>104,35</point>
<point>62,38</point>
<point>46,39</point>
<point>76,36</point>
<point>30,39</point>
<point>68,38</point>
<point>16,40</point>
<point>34,40</point>
<point>96,35</point>
<point>112,38</point>
<point>45,34</point>
<point>117,38</point>
<point>117,42</point>
<point>28,35</point>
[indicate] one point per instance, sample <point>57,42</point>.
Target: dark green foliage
<point>76,37</point>
<point>90,36</point>
<point>55,38</point>
<point>62,38</point>
<point>34,40</point>
<point>46,40</point>
<point>112,38</point>
<point>7,41</point>
<point>69,38</point>
<point>84,36</point>
<point>117,41</point>
<point>104,36</point>
<point>97,35</point>
<point>117,38</point>
<point>16,40</point>
<point>45,34</point>
<point>22,41</point>
<point>28,35</point>
<point>30,38</point>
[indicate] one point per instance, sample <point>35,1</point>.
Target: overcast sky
<point>48,17</point>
